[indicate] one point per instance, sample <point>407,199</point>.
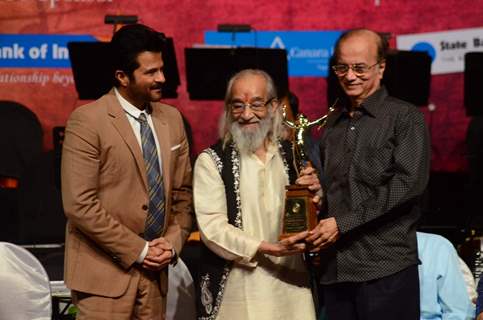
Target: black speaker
<point>473,84</point>
<point>93,71</point>
<point>209,69</point>
<point>170,87</point>
<point>407,77</point>
<point>91,68</point>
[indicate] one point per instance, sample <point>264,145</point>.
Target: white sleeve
<point>224,239</point>
<point>143,254</point>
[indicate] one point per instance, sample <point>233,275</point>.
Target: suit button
<point>144,207</point>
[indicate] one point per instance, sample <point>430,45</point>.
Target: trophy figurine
<point>300,213</point>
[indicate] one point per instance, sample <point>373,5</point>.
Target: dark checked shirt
<point>376,167</point>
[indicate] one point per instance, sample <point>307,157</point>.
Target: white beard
<point>248,141</point>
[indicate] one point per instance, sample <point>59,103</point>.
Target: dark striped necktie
<point>155,216</point>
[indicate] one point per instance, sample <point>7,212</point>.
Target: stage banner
<point>447,49</point>
<point>37,59</point>
<point>37,50</point>
<point>308,52</point>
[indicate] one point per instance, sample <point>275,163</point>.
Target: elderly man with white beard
<point>239,193</point>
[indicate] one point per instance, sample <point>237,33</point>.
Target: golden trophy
<point>300,213</point>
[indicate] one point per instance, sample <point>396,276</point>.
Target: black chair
<point>21,144</point>
<point>30,200</point>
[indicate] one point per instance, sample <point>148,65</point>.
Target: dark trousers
<point>394,297</point>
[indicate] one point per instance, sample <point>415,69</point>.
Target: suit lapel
<point>120,122</point>
<point>161,129</point>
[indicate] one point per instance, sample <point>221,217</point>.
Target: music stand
<point>94,74</point>
<point>473,95</point>
<point>209,69</point>
<point>408,76</point>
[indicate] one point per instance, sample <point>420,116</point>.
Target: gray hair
<point>226,119</point>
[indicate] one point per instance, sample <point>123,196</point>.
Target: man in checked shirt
<point>375,158</point>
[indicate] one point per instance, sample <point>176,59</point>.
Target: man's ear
<point>122,77</point>
<point>382,67</point>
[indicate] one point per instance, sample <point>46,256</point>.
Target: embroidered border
<point>219,297</point>
<point>206,296</point>
<point>216,158</point>
<point>235,159</point>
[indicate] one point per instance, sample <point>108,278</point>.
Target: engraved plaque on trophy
<point>300,213</point>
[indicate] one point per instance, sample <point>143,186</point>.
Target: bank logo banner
<point>308,52</point>
<point>447,49</point>
<point>37,51</point>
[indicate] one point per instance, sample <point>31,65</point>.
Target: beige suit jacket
<point>105,197</point>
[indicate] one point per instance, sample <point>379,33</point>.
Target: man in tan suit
<point>113,267</point>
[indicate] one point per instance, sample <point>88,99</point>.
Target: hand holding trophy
<point>300,212</point>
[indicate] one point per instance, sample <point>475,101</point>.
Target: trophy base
<point>300,213</point>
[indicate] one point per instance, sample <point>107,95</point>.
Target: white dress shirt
<point>133,114</point>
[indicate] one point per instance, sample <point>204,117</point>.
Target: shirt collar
<point>129,107</point>
<point>373,103</point>
<point>371,106</point>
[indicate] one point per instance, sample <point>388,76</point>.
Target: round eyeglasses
<point>238,107</point>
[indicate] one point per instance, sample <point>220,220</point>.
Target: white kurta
<point>259,286</point>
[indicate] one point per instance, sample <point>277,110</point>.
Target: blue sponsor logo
<point>308,52</point>
<point>425,47</point>
<point>37,51</point>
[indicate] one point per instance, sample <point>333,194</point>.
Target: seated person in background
<point>479,300</point>
<point>443,291</point>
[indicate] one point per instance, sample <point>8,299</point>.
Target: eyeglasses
<point>359,69</point>
<point>255,106</point>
